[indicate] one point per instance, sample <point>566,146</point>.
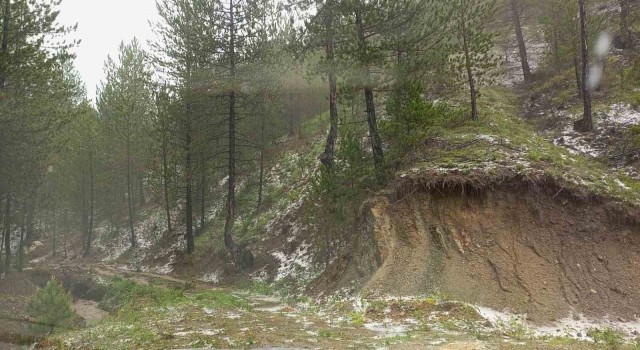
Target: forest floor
<point>169,313</point>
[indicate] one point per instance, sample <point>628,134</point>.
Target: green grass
<point>124,293</point>
<point>611,338</point>
<point>396,339</point>
<point>617,86</point>
<point>514,144</point>
<point>358,318</point>
<point>313,126</point>
<point>325,333</point>
<point>219,299</point>
<point>145,316</point>
<point>255,287</point>
<point>515,329</point>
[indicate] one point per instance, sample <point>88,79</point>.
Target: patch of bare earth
<point>528,248</point>
<point>15,289</point>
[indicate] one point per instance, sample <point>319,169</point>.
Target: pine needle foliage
<point>50,307</point>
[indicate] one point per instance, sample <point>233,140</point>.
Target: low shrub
<point>51,308</point>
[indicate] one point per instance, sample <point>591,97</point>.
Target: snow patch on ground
<point>575,326</point>
<point>622,114</point>
<point>261,275</point>
<point>511,65</point>
<point>232,315</point>
<point>577,143</point>
<point>212,277</point>
<point>296,264</point>
<point>614,121</point>
<point>621,184</point>
<point>207,332</point>
<point>387,328</point>
<point>114,241</point>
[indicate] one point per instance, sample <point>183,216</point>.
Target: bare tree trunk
<point>586,124</point>
<point>374,135</point>
<point>5,40</point>
<point>7,233</point>
<point>165,184</point>
<point>130,195</point>
<point>576,67</point>
<point>203,190</point>
<point>522,48</point>
<point>231,195</point>
<point>261,165</point>
<point>625,34</point>
<point>470,78</point>
<point>328,156</point>
<point>87,248</point>
<point>188,154</point>
<point>188,194</point>
<point>54,242</point>
<point>23,217</point>
<point>142,200</point>
<point>231,200</point>
<point>85,211</point>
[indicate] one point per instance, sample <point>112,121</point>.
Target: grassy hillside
<point>501,140</point>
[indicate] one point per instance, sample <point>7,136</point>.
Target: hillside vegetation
<point>406,174</point>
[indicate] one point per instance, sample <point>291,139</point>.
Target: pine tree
<point>473,43</point>
<point>184,51</point>
<point>625,36</point>
<point>322,31</point>
<point>32,90</point>
<point>125,105</point>
<point>50,307</point>
<point>237,26</point>
<point>586,123</point>
<point>522,47</point>
<point>369,46</point>
<point>163,127</point>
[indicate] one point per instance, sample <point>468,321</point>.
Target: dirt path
<point>203,321</point>
<point>270,322</point>
<point>144,278</point>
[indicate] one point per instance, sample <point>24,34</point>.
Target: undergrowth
<point>611,338</point>
<point>501,140</point>
<point>143,316</point>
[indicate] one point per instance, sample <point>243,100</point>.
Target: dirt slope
<point>528,248</point>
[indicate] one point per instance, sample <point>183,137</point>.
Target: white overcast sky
<point>102,25</point>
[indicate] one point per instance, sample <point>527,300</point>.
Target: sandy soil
<point>513,247</point>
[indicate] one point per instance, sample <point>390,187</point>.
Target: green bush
<point>50,307</point>
<point>610,337</point>
<point>344,181</point>
<point>413,118</point>
<point>634,73</point>
<point>634,133</point>
<point>122,292</point>
<point>634,100</point>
